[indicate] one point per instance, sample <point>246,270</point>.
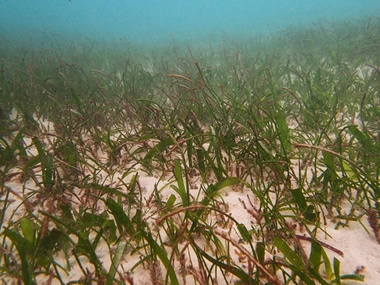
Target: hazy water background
<point>151,21</point>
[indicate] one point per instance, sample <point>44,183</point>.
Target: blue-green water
<point>143,21</point>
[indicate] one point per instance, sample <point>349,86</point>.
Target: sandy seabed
<point>354,244</point>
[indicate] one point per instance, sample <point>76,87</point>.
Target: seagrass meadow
<point>226,162</point>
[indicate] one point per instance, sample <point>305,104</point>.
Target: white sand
<point>360,248</point>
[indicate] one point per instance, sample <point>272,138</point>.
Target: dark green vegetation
<point>292,121</point>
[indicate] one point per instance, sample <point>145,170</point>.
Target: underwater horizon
<point>159,22</point>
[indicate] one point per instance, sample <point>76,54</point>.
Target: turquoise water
<point>143,21</point>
